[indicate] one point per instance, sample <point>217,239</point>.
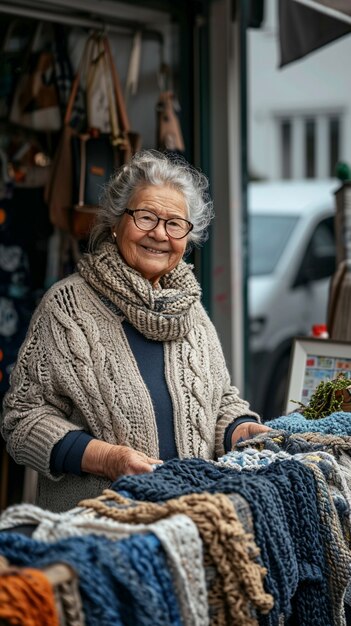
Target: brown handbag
<point>35,102</point>
<point>100,154</point>
<point>58,191</point>
<point>74,169</point>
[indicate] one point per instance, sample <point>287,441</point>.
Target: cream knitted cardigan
<point>76,370</point>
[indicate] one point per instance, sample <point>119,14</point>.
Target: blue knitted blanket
<point>123,583</point>
<point>335,424</point>
<point>284,506</point>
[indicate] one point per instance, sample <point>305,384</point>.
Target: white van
<point>291,257</point>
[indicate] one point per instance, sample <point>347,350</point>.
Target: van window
<point>268,235</point>
<point>319,259</point>
<point>322,241</point>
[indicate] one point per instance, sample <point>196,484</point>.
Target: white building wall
<point>319,84</point>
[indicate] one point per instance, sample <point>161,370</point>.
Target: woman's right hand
<point>112,461</point>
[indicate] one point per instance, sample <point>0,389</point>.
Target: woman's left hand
<point>248,430</point>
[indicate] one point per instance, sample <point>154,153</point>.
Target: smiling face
<point>152,253</point>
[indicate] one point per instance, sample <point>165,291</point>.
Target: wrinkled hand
<point>248,430</point>
<point>110,461</point>
<point>122,460</point>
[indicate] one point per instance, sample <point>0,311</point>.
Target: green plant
<point>324,400</point>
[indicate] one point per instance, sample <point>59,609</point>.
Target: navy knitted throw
<point>296,484</point>
<point>123,583</point>
<point>284,506</point>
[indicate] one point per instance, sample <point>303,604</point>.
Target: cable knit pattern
<point>76,371</point>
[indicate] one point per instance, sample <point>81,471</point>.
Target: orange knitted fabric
<point>27,598</point>
<point>233,551</point>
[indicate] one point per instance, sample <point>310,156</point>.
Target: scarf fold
<point>161,314</point>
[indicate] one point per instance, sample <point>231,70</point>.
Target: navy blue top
<point>67,454</point>
<point>149,356</point>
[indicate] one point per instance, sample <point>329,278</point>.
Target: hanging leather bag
<point>85,161</point>
<point>96,155</point>
<point>35,103</point>
<point>58,192</point>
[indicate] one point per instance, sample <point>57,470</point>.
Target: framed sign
<point>313,360</point>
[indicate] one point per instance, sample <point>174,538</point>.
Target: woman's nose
<point>159,232</point>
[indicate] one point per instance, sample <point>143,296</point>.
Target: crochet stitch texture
<point>283,501</point>
<point>232,550</point>
<point>123,583</point>
<point>335,424</point>
<point>333,497</point>
<point>76,371</point>
<point>178,535</point>
<point>27,597</point>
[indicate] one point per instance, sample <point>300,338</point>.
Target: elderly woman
<point>121,367</point>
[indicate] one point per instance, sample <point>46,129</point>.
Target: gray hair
<point>150,167</point>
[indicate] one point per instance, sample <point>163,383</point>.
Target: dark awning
<point>340,9</point>
<point>306,25</point>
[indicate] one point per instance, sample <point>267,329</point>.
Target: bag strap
<point>71,99</point>
<point>77,79</point>
<point>83,163</point>
<point>121,107</point>
<point>134,66</point>
<point>115,130</point>
<point>92,70</point>
<point>36,38</point>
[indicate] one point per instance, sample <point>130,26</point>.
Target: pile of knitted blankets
<point>261,537</point>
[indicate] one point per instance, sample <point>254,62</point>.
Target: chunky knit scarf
<point>162,314</point>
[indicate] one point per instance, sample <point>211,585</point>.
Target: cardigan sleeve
<point>35,416</point>
<point>231,405</point>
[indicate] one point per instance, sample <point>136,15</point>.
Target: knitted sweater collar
<point>162,314</point>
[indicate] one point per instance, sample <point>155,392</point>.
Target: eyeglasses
<point>176,227</point>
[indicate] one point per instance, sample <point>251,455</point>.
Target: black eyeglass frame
<point>159,219</point>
